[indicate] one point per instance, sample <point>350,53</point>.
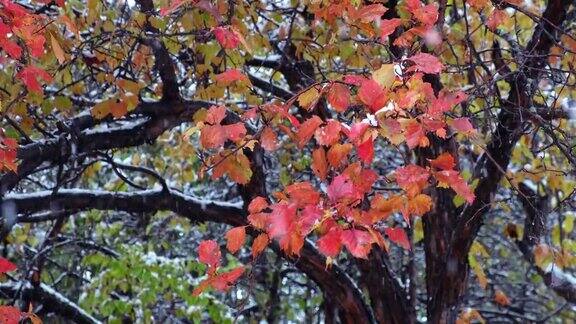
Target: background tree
<point>306,161</point>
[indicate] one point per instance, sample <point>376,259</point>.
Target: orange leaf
<point>268,139</point>
<point>235,238</point>
<point>339,97</point>
<point>237,166</point>
<point>444,162</point>
<point>412,179</point>
<point>302,194</point>
<point>319,163</point>
<point>337,153</point>
<point>500,298</point>
<point>58,51</point>
<point>418,206</point>
<point>415,134</point>
<point>306,130</point>
<point>257,205</point>
<point>259,244</point>
<point>367,13</point>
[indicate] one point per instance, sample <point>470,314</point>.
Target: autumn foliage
<point>383,149</point>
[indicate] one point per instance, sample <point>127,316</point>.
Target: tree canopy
<point>330,161</point>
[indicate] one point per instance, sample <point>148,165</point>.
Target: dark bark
<point>52,302</point>
<point>333,281</point>
<point>537,209</point>
<point>387,298</point>
<point>450,282</point>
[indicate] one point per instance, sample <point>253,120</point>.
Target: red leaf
<point>372,95</point>
<point>11,48</point>
<point>415,135</point>
<point>368,13</point>
<point>426,63</point>
<point>445,102</point>
<point>398,236</point>
<point>358,242</point>
<point>228,77</point>
<point>235,132</point>
<point>6,266</point>
<point>354,79</point>
<point>456,182</point>
<point>35,44</point>
<point>224,280</point>
<point>356,131</point>
<point>341,187</point>
<point>462,125</point>
<point>366,151</point>
<point>282,220</point>
<point>235,238</point>
<point>226,37</point>
<point>306,130</point>
<point>309,216</point>
<point>339,97</point>
<point>30,75</point>
<point>329,134</point>
<point>363,179</point>
<point>330,244</point>
<point>268,139</point>
<point>412,179</point>
<point>10,315</point>
<point>427,14</point>
<point>496,19</point>
<point>282,225</point>
<point>388,26</point>
<point>172,7</point>
<point>209,254</point>
<point>215,115</point>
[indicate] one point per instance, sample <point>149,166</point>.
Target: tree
<point>335,161</point>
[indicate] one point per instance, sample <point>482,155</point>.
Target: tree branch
<point>52,300</point>
<point>536,209</point>
<point>333,281</point>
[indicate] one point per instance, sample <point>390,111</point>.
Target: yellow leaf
<point>101,109</point>
<point>385,75</point>
<point>308,98</point>
<point>58,51</point>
